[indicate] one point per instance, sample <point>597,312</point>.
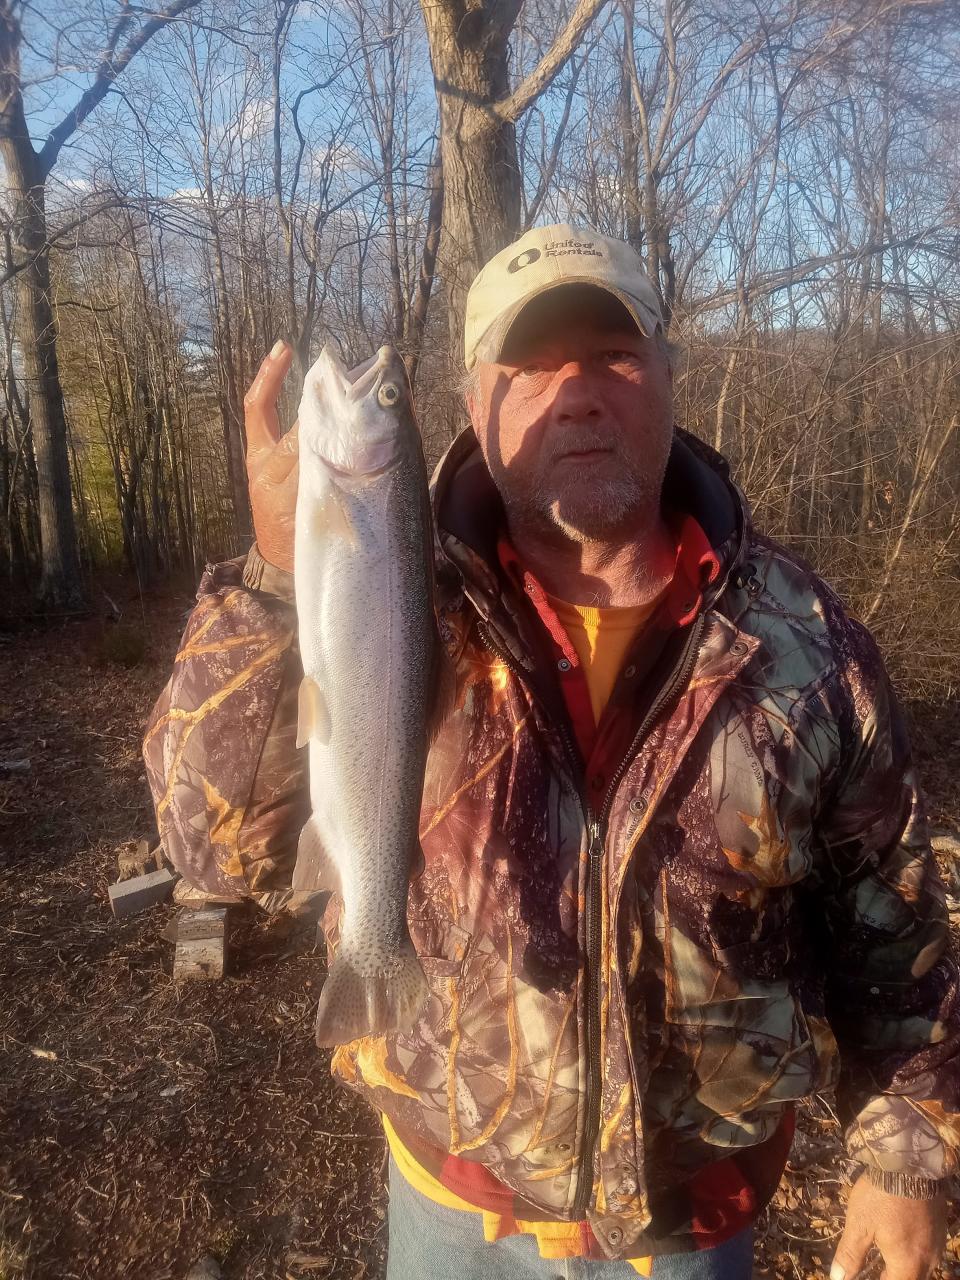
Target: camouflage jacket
<point>630,985</point>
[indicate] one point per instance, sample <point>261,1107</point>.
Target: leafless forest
<point>184,186</point>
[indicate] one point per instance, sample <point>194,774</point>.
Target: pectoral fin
<point>330,518</point>
<point>313,718</point>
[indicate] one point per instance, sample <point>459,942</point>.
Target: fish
<point>364,583</point>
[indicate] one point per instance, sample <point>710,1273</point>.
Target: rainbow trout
<point>363,571</point>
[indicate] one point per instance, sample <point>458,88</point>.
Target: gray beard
<point>608,510</point>
<point>599,513</point>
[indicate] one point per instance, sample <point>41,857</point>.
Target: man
<point>676,875</point>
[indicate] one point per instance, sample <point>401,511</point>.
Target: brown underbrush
<point>143,1125</point>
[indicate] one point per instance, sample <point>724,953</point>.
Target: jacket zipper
<point>596,832</point>
<point>677,680</point>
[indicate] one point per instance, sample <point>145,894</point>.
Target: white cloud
<point>341,157</point>
<point>255,118</point>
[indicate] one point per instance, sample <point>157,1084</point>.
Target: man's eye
<point>531,370</point>
<point>618,357</point>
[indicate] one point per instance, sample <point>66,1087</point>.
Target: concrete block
<point>127,897</point>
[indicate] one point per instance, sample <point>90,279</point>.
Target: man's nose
<point>574,397</point>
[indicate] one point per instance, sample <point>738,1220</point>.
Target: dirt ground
<point>143,1125</point>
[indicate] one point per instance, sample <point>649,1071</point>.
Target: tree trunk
<point>428,266</point>
<point>225,356</point>
<point>632,214</point>
<point>481,174</point>
<point>61,586</point>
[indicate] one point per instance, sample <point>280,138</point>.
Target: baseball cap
<point>542,259</point>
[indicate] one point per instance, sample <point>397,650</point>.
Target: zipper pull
<point>596,839</point>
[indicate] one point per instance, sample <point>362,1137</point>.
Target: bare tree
<point>27,171</point>
<point>469,50</point>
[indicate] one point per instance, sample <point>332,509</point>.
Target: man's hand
<point>909,1234</point>
<point>272,461</point>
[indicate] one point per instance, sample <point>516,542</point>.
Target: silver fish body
<point>363,572</point>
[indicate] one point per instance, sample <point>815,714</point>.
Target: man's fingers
<point>274,507</point>
<point>280,493</point>
<point>851,1254</point>
<point>282,458</point>
<point>909,1234</point>
<point>260,402</point>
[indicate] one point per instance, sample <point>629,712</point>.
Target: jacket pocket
<point>748,1035</point>
<point>443,969</point>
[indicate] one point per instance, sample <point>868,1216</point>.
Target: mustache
<point>579,440</point>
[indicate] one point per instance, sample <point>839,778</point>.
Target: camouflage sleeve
<point>228,783</point>
<point>893,996</point>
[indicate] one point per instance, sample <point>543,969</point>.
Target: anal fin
<point>418,862</point>
<point>314,869</point>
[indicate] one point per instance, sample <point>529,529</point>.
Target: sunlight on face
<point>575,420</point>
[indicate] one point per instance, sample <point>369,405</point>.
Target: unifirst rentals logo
<point>554,249</point>
<point>560,248</point>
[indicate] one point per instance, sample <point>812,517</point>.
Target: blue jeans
<point>431,1242</point>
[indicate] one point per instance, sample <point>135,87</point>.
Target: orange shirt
<point>554,1239</point>
<point>601,638</point>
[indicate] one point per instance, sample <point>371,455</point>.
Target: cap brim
<point>490,347</point>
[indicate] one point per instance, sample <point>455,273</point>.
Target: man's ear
<point>473,401</point>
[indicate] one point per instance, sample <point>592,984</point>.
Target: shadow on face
<point>575,418</point>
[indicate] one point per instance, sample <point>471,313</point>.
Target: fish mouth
<point>356,415</point>
<point>372,377</point>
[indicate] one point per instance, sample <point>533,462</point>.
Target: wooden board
<point>201,944</point>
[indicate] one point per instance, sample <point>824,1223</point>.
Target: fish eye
<point>388,394</point>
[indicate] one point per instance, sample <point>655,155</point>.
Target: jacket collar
<point>470,520</point>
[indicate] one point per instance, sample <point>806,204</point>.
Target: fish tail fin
<point>354,1004</point>
<point>314,869</point>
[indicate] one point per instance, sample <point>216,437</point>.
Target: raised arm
<point>228,783</point>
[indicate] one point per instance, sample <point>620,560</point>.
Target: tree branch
<point>111,66</point>
<point>53,239</point>
<point>915,496</point>
<point>766,286</point>
<point>550,167</point>
<point>551,64</point>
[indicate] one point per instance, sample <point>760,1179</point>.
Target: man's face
<point>576,419</point>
